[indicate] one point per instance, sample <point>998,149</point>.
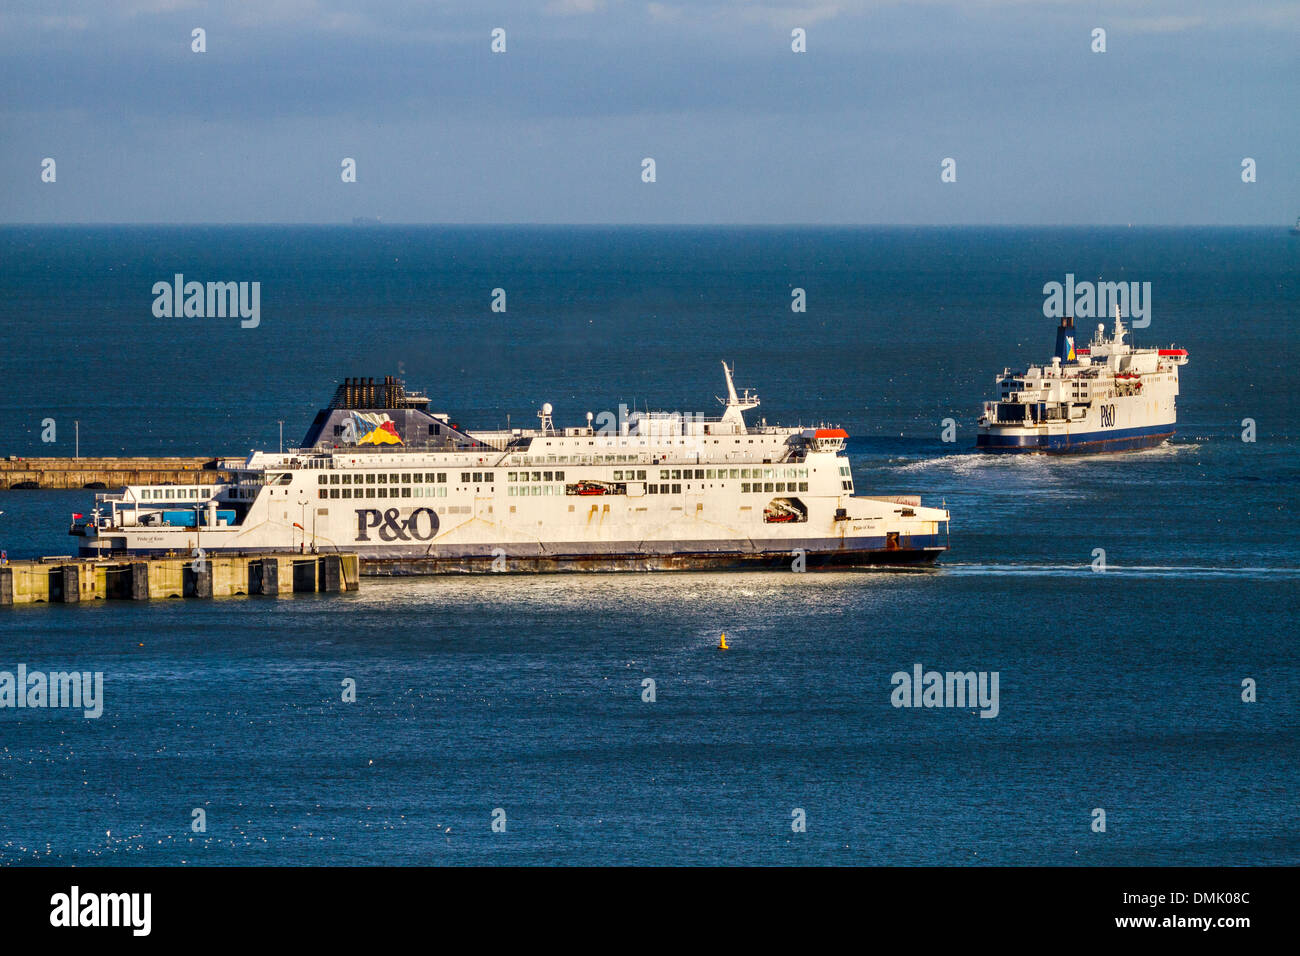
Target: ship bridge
<point>379,420</point>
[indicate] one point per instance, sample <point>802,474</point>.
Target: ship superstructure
<point>1109,396</point>
<point>412,491</point>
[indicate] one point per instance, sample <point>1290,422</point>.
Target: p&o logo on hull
<point>391,526</point>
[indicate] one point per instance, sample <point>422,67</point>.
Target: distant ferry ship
<point>1107,397</point>
<point>413,492</point>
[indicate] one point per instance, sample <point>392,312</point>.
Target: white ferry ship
<point>413,492</point>
<point>1107,397</point>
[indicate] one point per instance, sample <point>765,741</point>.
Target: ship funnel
<point>1065,341</point>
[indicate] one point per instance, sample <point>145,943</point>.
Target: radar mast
<point>734,406</point>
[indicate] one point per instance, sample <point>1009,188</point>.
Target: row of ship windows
<point>729,473</point>
<point>422,491</point>
<point>672,474</point>
<point>487,477</point>
<point>667,488</point>
<point>174,494</point>
<point>383,478</point>
<point>583,460</point>
<point>639,474</point>
<point>756,487</point>
<point>523,476</point>
<point>575,459</point>
<point>524,491</point>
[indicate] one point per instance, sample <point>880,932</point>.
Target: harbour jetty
<point>67,580</point>
<point>103,473</point>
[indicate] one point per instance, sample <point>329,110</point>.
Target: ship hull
<point>701,561</point>
<point>1129,439</point>
<point>814,554</point>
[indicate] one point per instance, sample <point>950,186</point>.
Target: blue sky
<point>742,130</point>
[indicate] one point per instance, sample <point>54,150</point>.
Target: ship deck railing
<point>519,456</point>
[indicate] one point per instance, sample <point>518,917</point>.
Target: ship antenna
<point>731,386</point>
<point>735,406</point>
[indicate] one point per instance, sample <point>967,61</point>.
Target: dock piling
<point>65,584</point>
<point>200,580</point>
<point>268,576</point>
<point>139,586</point>
<point>331,574</point>
<point>60,580</point>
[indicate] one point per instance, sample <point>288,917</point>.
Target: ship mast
<point>734,407</point>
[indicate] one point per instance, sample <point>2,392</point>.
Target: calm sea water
<point>1118,690</point>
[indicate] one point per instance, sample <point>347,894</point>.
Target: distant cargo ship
<point>413,492</point>
<point>1107,397</point>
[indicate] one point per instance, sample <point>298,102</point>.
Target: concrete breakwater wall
<point>70,580</point>
<point>102,473</point>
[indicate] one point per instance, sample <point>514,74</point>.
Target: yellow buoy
<point>722,645</point>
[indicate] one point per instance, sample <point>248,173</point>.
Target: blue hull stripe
<point>1120,439</point>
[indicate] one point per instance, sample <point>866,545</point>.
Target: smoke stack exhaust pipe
<point>1065,341</point>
